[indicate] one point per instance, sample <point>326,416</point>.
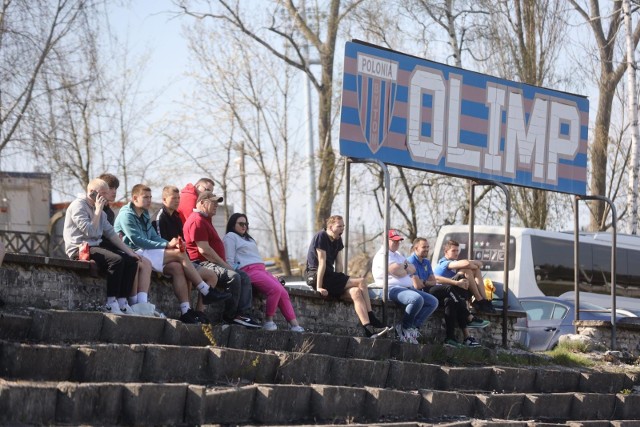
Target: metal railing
<point>25,242</point>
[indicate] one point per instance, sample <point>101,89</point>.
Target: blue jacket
<point>137,231</point>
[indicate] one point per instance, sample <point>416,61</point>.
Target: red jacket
<point>188,199</point>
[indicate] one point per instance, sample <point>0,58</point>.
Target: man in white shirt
<point>419,305</point>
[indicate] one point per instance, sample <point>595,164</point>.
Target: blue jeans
<point>419,305</point>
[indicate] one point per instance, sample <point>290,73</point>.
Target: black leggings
<point>119,268</point>
<point>453,299</point>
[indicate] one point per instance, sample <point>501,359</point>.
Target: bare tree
<point>610,74</point>
<point>316,29</point>
<point>91,114</point>
<point>253,91</point>
<point>30,34</point>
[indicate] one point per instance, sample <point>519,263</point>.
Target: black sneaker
<point>375,322</point>
<point>190,317</point>
<point>203,317</point>
<point>483,306</point>
<point>215,295</point>
<point>371,333</point>
<point>246,321</point>
<point>476,322</point>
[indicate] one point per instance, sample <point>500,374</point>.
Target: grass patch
<point>508,359</point>
<point>566,356</point>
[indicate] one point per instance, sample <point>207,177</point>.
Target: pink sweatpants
<point>277,295</point>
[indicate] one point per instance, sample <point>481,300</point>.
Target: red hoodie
<point>188,199</point>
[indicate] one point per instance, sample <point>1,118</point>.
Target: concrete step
<point>213,365</point>
<point>180,404</point>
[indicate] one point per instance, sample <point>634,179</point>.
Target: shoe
<point>412,335</point>
<point>270,326</point>
<point>489,307</point>
<point>375,322</point>
<point>471,342</point>
<point>215,296</point>
<point>203,317</point>
<point>452,342</point>
<point>190,317</point>
<point>401,333</point>
<point>476,322</point>
<point>246,321</point>
<point>296,328</point>
<point>483,306</point>
<point>126,309</point>
<point>113,308</point>
<point>381,333</point>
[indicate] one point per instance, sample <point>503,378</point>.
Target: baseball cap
<point>208,195</point>
<point>394,235</point>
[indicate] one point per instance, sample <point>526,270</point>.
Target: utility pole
<point>632,190</point>
<point>243,178</point>
<point>311,212</point>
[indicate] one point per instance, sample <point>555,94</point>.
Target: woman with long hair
<point>242,253</point>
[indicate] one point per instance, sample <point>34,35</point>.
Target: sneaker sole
<point>476,326</point>
<point>382,333</point>
<point>247,324</point>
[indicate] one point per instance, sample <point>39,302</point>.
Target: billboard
<point>410,112</point>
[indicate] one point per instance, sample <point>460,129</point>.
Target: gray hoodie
<point>79,229</point>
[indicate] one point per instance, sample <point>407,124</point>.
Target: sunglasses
<point>242,224</point>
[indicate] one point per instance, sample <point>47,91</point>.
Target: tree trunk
<point>599,155</point>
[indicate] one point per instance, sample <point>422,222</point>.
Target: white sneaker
<point>296,328</point>
<point>270,326</point>
<point>401,333</point>
<point>127,310</point>
<point>112,308</point>
<point>412,335</point>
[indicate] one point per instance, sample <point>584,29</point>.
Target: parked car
<point>550,317</point>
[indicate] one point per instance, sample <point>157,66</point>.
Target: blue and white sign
<point>415,113</point>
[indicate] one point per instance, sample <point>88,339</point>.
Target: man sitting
<point>85,226</point>
<point>449,297</point>
<point>166,256</point>
<point>205,248</point>
<point>419,305</point>
<point>450,268</point>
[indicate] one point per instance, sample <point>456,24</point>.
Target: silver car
<point>550,317</point>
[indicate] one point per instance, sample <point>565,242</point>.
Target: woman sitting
<point>242,253</point>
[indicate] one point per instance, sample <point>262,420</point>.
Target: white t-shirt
<point>377,270</point>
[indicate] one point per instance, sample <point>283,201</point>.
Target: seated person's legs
<point>246,293</point>
<point>118,283</point>
<point>277,296</point>
<point>428,307</point>
<point>411,301</point>
<point>181,290</point>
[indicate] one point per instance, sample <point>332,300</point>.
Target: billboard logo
<point>377,85</point>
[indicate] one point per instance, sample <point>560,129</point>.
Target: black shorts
<point>334,283</point>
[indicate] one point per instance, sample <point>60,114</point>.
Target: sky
<point>148,26</point>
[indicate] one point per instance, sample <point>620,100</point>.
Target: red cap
<point>394,235</point>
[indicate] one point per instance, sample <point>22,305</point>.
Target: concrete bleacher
<point>64,367</point>
<point>63,362</point>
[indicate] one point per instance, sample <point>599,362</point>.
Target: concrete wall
<point>49,283</point>
<point>626,334</point>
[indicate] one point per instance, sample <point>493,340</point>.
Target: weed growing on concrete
<point>575,346</point>
<point>208,332</point>
<point>305,347</point>
<point>561,356</point>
